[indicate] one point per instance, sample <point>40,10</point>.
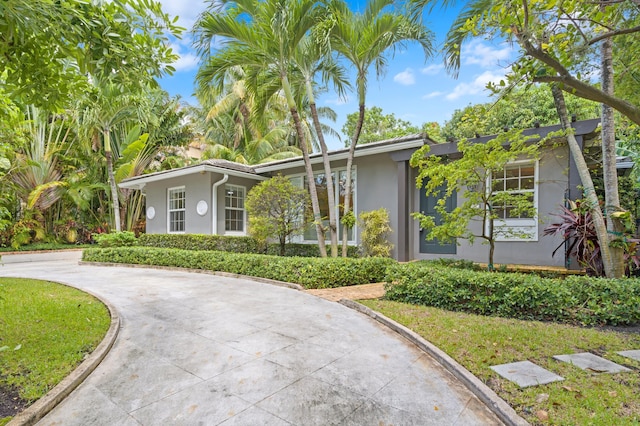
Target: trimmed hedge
<point>309,272</point>
<point>229,244</point>
<point>200,242</point>
<point>574,299</point>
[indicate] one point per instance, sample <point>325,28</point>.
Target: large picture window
<point>177,209</point>
<point>520,181</point>
<point>323,199</point>
<point>234,213</point>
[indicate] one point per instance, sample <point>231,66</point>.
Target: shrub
<point>575,299</point>
<point>309,272</point>
<point>228,244</point>
<point>375,230</point>
<point>200,242</point>
<point>116,239</point>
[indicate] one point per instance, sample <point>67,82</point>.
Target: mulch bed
<point>10,402</point>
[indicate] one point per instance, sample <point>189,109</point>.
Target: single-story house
<point>208,198</point>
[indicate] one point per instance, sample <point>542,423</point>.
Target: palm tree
<point>312,58</point>
<point>263,37</point>
<point>37,176</point>
<point>363,39</point>
<point>99,117</point>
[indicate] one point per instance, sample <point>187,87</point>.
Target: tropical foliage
<point>81,110</point>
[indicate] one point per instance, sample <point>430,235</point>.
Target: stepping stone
<point>589,361</point>
<point>526,373</point>
<point>631,354</point>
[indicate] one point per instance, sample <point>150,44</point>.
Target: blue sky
<point>412,89</point>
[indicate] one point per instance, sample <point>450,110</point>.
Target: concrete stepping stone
<point>526,373</point>
<point>634,354</point>
<point>589,361</point>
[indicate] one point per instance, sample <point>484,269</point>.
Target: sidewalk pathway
<point>203,349</point>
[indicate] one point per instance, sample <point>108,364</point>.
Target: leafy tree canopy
<point>377,126</point>
<point>520,109</point>
<point>50,48</point>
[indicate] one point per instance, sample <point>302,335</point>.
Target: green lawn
<point>477,342</point>
<point>46,330</point>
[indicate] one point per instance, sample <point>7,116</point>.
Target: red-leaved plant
<point>578,231</point>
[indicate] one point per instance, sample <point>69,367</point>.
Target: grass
<point>477,342</point>
<point>44,246</point>
<point>46,331</point>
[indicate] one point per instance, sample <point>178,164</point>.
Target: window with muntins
<point>515,179</point>
<point>177,209</point>
<point>513,224</point>
<point>234,213</point>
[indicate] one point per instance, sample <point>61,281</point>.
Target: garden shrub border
<point>307,271</point>
<point>230,244</point>
<point>576,300</point>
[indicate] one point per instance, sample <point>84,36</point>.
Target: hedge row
<point>229,244</point>
<point>309,272</point>
<point>574,299</point>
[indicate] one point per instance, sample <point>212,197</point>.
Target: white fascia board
<point>342,155</point>
<point>140,182</point>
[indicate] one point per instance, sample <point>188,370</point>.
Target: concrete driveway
<point>197,349</point>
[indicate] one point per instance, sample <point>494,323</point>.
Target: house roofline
<point>139,182</point>
<point>389,145</point>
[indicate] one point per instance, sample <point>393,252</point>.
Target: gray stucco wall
<point>197,187</point>
<point>553,182</point>
<point>378,188</point>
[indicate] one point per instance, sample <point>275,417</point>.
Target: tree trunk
<point>609,171</point>
<point>315,205</point>
<point>587,182</point>
<point>347,187</point>
<point>333,228</point>
<point>112,180</point>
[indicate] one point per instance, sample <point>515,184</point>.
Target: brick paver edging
<point>496,404</point>
<point>41,407</point>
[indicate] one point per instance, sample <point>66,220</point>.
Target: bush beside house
<point>306,271</point>
<point>575,299</point>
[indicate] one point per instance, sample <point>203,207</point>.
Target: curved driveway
<point>208,350</point>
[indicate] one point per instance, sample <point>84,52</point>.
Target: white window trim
<point>528,225</point>
<point>244,211</point>
<point>175,188</point>
<point>354,239</point>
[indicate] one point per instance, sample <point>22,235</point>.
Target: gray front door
<point>428,207</point>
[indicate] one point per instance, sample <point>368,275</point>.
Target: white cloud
<point>338,100</point>
<point>188,11</point>
<point>478,53</point>
<point>406,77</point>
<point>477,85</point>
<point>432,95</point>
<point>432,69</point>
<point>187,60</point>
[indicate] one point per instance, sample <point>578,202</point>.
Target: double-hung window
<point>234,212</point>
<point>177,209</point>
<point>515,203</point>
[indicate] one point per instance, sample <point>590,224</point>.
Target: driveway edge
<point>42,406</point>
<point>496,404</point>
<point>199,271</point>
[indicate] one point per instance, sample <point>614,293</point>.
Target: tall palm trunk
<point>333,228</point>
<point>112,180</point>
<point>347,186</point>
<point>315,205</point>
<point>610,175</point>
<point>587,182</point>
